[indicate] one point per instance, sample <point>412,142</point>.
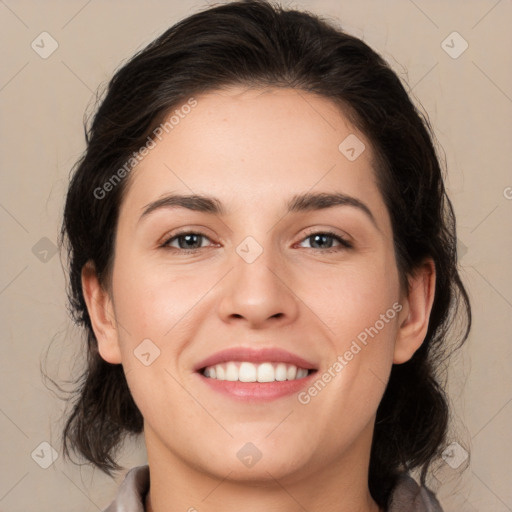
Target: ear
<point>415,315</point>
<point>101,312</point>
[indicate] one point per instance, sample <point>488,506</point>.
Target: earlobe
<point>415,315</point>
<point>101,312</point>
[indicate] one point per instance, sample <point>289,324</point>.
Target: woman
<point>263,257</point>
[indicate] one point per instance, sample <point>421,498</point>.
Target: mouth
<point>255,375</point>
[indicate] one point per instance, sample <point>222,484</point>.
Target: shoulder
<point>132,491</point>
<point>408,496</point>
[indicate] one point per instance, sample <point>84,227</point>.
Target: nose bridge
<point>256,288</point>
<point>255,264</point>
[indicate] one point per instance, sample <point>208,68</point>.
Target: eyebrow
<point>298,203</point>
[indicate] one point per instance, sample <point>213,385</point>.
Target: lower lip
<point>257,391</point>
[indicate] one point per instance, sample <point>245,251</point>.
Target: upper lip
<point>253,355</point>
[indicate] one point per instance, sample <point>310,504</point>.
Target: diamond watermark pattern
<point>44,45</point>
<point>44,455</point>
<point>351,147</point>
<point>146,352</point>
<point>249,249</point>
<point>461,249</point>
<point>44,250</point>
<point>249,455</point>
<point>454,455</point>
<point>454,45</point>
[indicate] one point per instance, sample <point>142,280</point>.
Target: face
<point>294,282</point>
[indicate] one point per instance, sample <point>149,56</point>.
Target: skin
<point>254,149</point>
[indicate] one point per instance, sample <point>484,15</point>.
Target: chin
<point>259,462</point>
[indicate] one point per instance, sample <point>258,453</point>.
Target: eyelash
<point>344,243</point>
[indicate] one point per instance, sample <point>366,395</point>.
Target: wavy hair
<point>257,43</point>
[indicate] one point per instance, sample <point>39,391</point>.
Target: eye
<point>324,240</point>
<point>191,241</point>
<point>188,241</point>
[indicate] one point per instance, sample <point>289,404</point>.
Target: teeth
<point>247,373</point>
<point>291,372</point>
<point>250,372</point>
<point>231,372</point>
<point>280,372</point>
<point>301,373</point>
<point>266,373</point>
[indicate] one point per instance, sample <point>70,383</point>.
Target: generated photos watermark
<point>361,341</point>
<point>138,156</point>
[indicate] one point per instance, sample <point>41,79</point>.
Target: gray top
<point>407,496</point>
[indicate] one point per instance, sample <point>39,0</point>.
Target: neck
<point>341,486</point>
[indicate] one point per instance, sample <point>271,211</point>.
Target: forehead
<point>258,145</point>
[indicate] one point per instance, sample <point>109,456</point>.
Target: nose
<point>259,293</point>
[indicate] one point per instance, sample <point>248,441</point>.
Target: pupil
<point>316,237</point>
<point>189,238</point>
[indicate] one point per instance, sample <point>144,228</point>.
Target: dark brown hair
<point>259,44</point>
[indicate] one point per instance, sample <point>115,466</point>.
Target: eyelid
<point>331,231</point>
<point>174,235</point>
<point>188,230</point>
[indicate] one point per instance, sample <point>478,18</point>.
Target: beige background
<point>469,101</point>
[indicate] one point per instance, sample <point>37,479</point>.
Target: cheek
<point>151,301</point>
<point>359,304</point>
<point>153,328</point>
<point>351,298</point>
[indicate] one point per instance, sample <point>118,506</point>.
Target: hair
<point>256,43</point>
